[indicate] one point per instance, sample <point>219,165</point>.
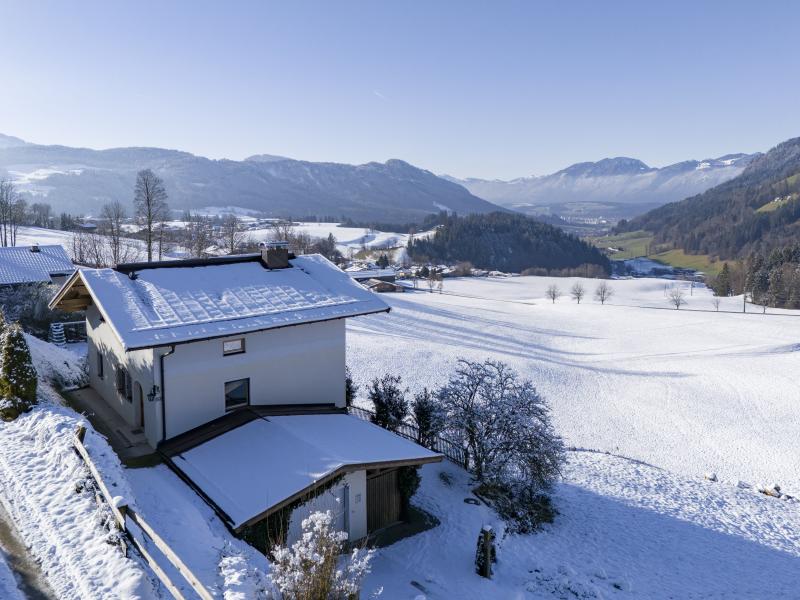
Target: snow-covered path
<point>688,391</point>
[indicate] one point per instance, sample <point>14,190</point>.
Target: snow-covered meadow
<point>676,393</point>
<point>690,390</point>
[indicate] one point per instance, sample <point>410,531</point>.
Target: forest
<point>505,242</point>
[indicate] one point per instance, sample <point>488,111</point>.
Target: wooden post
<point>487,550</point>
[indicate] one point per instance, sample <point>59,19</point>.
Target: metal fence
<point>450,449</point>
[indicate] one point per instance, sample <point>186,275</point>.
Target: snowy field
<point>347,238</point>
<point>680,392</point>
<point>691,391</point>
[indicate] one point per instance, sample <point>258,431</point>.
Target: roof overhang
<point>265,464</point>
<point>73,296</point>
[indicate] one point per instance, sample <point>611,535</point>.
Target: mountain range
<point>757,211</point>
<point>612,188</point>
<point>81,180</point>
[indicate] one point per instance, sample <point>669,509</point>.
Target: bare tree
<point>12,212</point>
<point>553,293</point>
<point>150,202</point>
<point>577,292</point>
<point>113,215</point>
<point>233,233</point>
<point>432,279</point>
<point>440,283</point>
<point>282,231</point>
<point>677,297</point>
<point>90,249</point>
<point>41,213</point>
<point>715,301</point>
<point>603,292</point>
<point>198,236</point>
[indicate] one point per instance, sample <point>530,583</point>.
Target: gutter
<point>163,404</point>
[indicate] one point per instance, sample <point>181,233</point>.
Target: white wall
<point>139,364</point>
<point>355,486</point>
<point>304,364</point>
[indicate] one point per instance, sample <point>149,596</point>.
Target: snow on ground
<point>690,391</point>
<point>346,237</point>
<point>624,530</point>
<point>41,489</point>
<point>8,585</point>
<point>193,530</point>
<point>686,391</point>
<point>40,477</point>
<point>28,236</point>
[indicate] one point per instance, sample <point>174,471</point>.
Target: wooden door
<point>383,499</point>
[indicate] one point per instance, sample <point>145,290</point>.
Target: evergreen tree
<point>722,286</point>
<point>17,374</point>
<point>389,401</point>
<point>428,417</point>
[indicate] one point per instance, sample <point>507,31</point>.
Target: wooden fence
<point>450,449</point>
<point>123,513</point>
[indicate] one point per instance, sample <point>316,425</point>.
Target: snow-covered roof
<point>371,273</point>
<point>21,265</point>
<point>175,304</point>
<point>251,469</point>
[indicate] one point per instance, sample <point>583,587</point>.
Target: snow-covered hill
<point>691,391</point>
<point>679,393</point>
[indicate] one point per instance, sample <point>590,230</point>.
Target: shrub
<point>17,374</point>
<point>310,569</point>
<point>428,417</point>
<point>389,401</point>
<point>505,427</point>
<point>521,504</point>
<point>408,480</point>
<point>350,387</point>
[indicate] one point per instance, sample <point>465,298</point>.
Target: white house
<point>234,367</point>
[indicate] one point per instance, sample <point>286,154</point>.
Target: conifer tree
<point>389,401</point>
<point>17,374</point>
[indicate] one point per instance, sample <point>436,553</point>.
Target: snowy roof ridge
<point>178,304</point>
<point>20,264</point>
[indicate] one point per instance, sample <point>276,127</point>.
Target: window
<point>237,393</point>
<point>233,347</point>
<point>124,384</point>
<point>99,364</point>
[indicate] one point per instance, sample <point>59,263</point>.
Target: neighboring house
<point>234,368</point>
<point>382,287</point>
<point>21,265</point>
<point>388,274</point>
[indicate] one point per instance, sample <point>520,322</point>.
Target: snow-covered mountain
<point>612,187</point>
<point>81,180</point>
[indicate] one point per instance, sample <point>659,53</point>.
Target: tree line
<point>771,279</point>
<point>505,242</point>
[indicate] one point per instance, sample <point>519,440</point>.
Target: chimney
<point>35,248</point>
<point>276,255</point>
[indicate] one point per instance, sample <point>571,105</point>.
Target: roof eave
<point>343,470</point>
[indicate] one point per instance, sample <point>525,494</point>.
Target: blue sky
<point>485,89</point>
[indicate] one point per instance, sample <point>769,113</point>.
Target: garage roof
<point>258,467</point>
